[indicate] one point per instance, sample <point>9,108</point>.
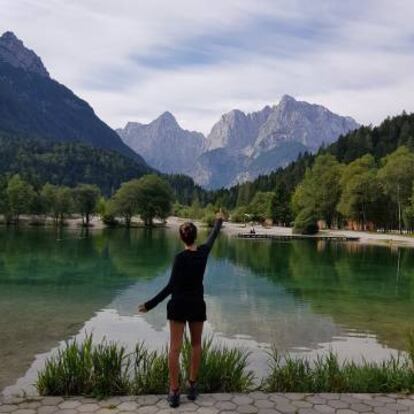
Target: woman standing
<point>186,304</point>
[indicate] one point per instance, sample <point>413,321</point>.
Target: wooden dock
<point>286,237</point>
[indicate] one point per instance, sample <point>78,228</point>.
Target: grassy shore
<point>107,369</point>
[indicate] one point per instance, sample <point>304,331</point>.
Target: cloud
<point>132,60</point>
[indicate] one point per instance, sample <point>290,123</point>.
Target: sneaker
<point>192,391</point>
<point>174,398</point>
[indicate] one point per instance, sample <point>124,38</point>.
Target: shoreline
<point>392,240</point>
<point>365,238</point>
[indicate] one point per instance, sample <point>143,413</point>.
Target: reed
<point>106,369</point>
<point>222,369</point>
<point>327,374</point>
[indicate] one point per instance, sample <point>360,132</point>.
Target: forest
<point>362,181</point>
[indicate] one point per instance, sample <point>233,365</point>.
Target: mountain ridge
<point>33,103</point>
<point>241,146</point>
<point>157,140</point>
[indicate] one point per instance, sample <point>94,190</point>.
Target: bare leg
<point>176,340</point>
<point>196,330</point>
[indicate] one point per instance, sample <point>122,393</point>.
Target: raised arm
<point>213,234</point>
<point>167,290</point>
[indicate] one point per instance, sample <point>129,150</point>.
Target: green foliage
<point>124,202</point>
<point>57,201</point>
<point>396,176</point>
<point>305,222</point>
<point>327,374</point>
<point>41,161</point>
<point>106,369</point>
<point>209,219</point>
<point>150,375</point>
<point>361,191</point>
<point>86,369</point>
<point>86,197</point>
<point>319,191</point>
<point>20,195</point>
<point>155,198</point>
<point>262,206</point>
<point>222,369</point>
<point>240,215</point>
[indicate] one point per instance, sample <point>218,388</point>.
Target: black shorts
<point>183,309</point>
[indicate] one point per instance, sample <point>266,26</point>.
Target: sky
<point>134,59</point>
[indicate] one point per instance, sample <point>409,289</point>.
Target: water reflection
<point>302,296</point>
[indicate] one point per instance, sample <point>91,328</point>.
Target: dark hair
<point>188,233</point>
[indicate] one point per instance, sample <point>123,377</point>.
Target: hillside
<point>31,103</point>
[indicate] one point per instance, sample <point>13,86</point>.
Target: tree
<point>124,202</point>
<point>86,198</point>
<point>396,176</point>
<point>57,201</point>
<point>155,198</point>
<point>4,203</point>
<point>408,213</point>
<point>48,194</point>
<point>20,195</point>
<point>305,222</point>
<point>262,206</point>
<point>281,209</point>
<point>319,191</point>
<point>361,190</point>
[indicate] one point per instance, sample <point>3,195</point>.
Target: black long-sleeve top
<point>186,280</point>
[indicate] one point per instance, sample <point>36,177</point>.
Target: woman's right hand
<point>142,308</point>
<point>220,215</point>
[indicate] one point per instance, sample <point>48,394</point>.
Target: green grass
<point>221,369</point>
<point>327,374</point>
<point>106,369</point>
<point>86,369</point>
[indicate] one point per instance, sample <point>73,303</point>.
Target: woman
<point>186,304</point>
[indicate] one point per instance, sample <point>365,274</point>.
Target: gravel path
<point>256,402</point>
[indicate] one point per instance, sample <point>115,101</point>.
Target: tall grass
<point>221,369</point>
<point>106,369</point>
<point>150,374</point>
<point>327,374</point>
<point>86,369</point>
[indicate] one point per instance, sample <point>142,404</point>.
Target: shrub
<point>209,219</point>
<point>305,222</point>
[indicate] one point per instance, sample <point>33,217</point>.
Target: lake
<point>306,297</point>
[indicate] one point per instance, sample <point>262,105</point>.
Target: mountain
<point>31,103</point>
<point>243,146</point>
<point>164,144</point>
<point>240,146</point>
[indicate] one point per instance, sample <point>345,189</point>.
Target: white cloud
<point>132,60</point>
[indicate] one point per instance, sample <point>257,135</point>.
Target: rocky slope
<point>164,144</point>
<point>33,104</point>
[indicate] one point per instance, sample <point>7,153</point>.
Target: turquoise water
<point>304,296</point>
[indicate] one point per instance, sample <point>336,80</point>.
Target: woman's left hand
<point>142,308</point>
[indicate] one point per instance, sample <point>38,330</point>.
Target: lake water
<point>306,297</point>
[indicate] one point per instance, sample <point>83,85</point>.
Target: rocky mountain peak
<point>286,99</point>
<point>14,52</point>
<point>166,120</point>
